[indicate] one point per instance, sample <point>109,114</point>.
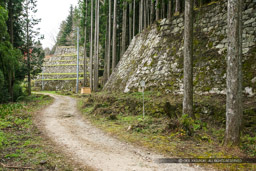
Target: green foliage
<point>188,124</point>
<point>1,80</point>
<point>3,139</point>
<point>9,61</point>
<point>19,141</point>
<point>17,91</point>
<point>66,29</point>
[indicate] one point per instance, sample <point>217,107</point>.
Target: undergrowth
<point>21,143</point>
<point>165,130</point>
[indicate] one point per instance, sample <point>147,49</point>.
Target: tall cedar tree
<point>85,41</point>
<point>188,59</point>
<point>109,37</point>
<point>30,22</point>
<point>96,49</point>
<point>91,48</point>
<point>124,28</point>
<point>234,112</point>
<point>114,39</point>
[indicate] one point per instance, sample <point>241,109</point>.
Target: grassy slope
<point>21,143</point>
<point>121,116</point>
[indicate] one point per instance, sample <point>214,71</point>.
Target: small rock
<point>68,116</point>
<point>129,128</point>
<point>42,162</point>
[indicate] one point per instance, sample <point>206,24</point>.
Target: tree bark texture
<point>188,59</point>
<point>147,12</point>
<point>152,11</point>
<point>28,51</point>
<point>169,11</point>
<point>144,14</point>
<point>96,45</point>
<point>124,28</point>
<point>141,16</point>
<point>105,74</point>
<point>109,38</point>
<point>114,39</point>
<point>10,20</point>
<point>157,10</point>
<point>163,9</point>
<point>130,22</point>
<point>177,7</point>
<point>85,49</point>
<point>234,94</point>
<point>91,49</point>
<point>134,20</point>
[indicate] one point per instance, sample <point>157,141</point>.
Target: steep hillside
<point>156,55</point>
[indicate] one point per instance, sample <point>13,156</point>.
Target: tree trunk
<point>96,45</point>
<point>141,16</point>
<point>163,9</point>
<point>148,12</point>
<point>130,22</point>
<point>28,55</point>
<point>177,7</point>
<point>157,10</point>
<point>10,19</point>
<point>114,39</point>
<point>124,28</point>
<point>85,49</point>
<point>169,13</point>
<point>234,74</point>
<point>105,74</point>
<point>98,42</point>
<point>134,20</point>
<point>152,11</point>
<point>188,59</point>
<point>11,74</point>
<point>109,38</point>
<point>91,49</point>
<point>144,14</point>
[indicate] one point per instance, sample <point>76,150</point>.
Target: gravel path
<point>89,146</point>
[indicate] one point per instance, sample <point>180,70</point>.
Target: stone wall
<point>59,72</point>
<point>60,50</point>
<point>156,55</point>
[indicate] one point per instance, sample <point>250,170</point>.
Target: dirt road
<point>89,146</point>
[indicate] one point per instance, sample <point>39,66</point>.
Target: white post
<point>142,84</point>
<point>77,75</point>
<point>143,104</point>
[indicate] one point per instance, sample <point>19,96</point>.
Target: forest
<point>184,109</point>
<point>108,28</point>
<point>21,52</point>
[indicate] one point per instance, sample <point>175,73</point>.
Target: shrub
<point>17,91</point>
